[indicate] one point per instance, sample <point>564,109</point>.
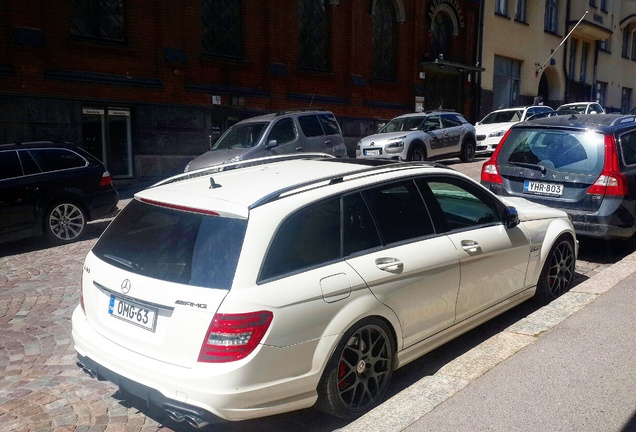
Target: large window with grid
<point>222,22</point>
<point>99,19</point>
<point>384,40</point>
<point>313,34</point>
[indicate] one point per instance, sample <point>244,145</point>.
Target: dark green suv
<point>584,164</point>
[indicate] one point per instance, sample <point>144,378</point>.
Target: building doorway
<point>107,136</point>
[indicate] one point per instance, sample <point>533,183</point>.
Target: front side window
<point>222,22</point>
<point>283,131</point>
<point>461,207</point>
<point>402,124</point>
<point>384,40</point>
<point>313,34</point>
<point>174,246</point>
<point>551,15</point>
<point>99,19</point>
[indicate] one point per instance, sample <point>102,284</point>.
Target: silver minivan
<point>313,131</point>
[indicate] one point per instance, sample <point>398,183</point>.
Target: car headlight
<point>496,134</point>
<point>234,159</point>
<point>396,147</point>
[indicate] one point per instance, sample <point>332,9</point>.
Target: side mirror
<point>511,218</point>
<point>271,144</point>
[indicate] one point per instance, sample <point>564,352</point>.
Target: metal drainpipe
<point>480,49</point>
<point>565,54</point>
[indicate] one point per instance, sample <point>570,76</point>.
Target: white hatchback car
<point>278,284</point>
<point>494,126</point>
<point>583,107</point>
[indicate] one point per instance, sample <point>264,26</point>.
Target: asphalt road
<point>41,388</point>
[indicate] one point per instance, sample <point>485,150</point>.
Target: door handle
<point>391,265</point>
<point>328,142</point>
<point>471,246</point>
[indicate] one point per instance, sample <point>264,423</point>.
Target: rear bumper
<point>103,203</point>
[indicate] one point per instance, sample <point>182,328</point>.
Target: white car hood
<point>485,129</point>
<point>388,137</point>
<point>529,210</point>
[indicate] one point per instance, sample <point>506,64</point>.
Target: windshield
<point>402,124</point>
<point>173,245</point>
<point>502,117</point>
<point>567,151</point>
<point>241,136</point>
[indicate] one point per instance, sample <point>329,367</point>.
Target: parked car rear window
<point>571,151</point>
<point>174,246</point>
<point>57,159</point>
<point>9,165</point>
<point>628,148</point>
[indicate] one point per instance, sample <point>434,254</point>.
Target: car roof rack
<point>368,170</point>
<point>280,113</point>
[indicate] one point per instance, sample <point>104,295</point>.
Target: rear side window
<point>57,159</point>
<point>174,246</point>
<point>628,148</point>
<point>569,151</point>
<point>329,124</point>
<point>310,125</point>
<point>451,121</point>
<point>9,165</point>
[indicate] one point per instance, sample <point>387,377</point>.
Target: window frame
<point>224,36</point>
<point>91,13</point>
<point>307,29</point>
<point>551,23</point>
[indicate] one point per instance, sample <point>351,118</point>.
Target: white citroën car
<point>281,283</point>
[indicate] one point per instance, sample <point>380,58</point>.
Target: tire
<point>417,152</point>
<point>558,271</point>
<point>468,151</point>
<point>64,222</point>
<point>358,373</point>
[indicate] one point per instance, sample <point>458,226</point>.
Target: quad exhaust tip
<point>86,370</point>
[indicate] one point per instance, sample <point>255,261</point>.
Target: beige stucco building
<point>561,50</point>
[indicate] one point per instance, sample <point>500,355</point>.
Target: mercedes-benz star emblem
<point>125,286</point>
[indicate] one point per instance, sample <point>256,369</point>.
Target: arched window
<point>313,34</point>
<point>222,22</point>
<point>384,40</point>
<point>442,33</point>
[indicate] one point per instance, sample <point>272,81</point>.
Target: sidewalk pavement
<point>555,370</point>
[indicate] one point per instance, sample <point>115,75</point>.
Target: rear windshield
<point>569,151</point>
<point>174,246</point>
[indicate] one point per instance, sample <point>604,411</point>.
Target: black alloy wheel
<point>358,374</point>
<point>468,151</point>
<point>558,271</point>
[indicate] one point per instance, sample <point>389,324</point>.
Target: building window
<point>222,28</point>
<point>584,50</point>
<point>521,7</point>
<point>593,3</point>
<point>313,34</point>
<point>634,46</point>
<point>625,49</point>
<point>551,15</point>
<point>501,7</point>
<point>604,5</point>
<point>99,19</point>
<point>601,93</point>
<point>384,40</point>
<point>441,35</point>
<point>573,48</point>
<point>604,45</point>
<point>507,82</point>
<point>626,98</point>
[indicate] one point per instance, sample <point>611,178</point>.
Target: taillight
<point>106,180</point>
<point>611,182</point>
<point>489,170</point>
<point>232,337</point>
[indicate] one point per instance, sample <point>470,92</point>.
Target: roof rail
<point>242,164</point>
<point>631,118</point>
<point>339,178</point>
<point>279,113</point>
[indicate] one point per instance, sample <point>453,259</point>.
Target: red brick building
<point>147,85</point>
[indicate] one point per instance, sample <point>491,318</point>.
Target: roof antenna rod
<point>312,101</point>
<point>562,42</point>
